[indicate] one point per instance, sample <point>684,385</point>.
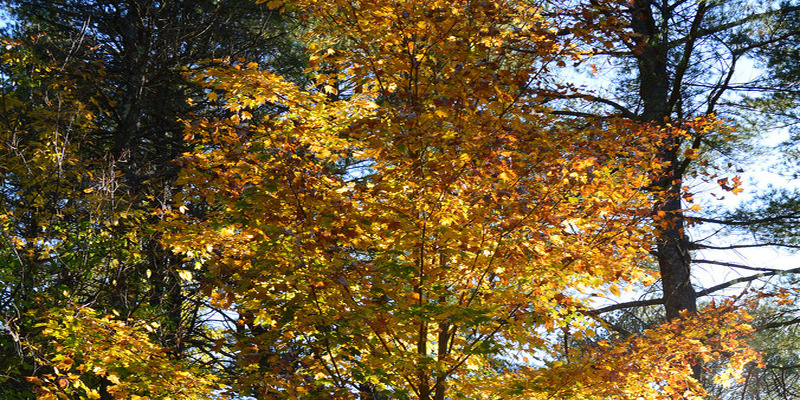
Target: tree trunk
<point>672,246</point>
<point>656,87</point>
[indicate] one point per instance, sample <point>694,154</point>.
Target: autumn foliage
<point>86,351</point>
<point>419,224</point>
<point>415,223</point>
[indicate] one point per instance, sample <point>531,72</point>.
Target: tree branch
<point>746,223</point>
<point>782,367</point>
<point>629,304</point>
<point>741,21</point>
<point>750,278</point>
<point>734,265</point>
<point>699,246</point>
<point>704,292</point>
<point>772,325</point>
<point>624,111</point>
<point>577,114</point>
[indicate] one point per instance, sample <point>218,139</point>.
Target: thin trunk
<point>443,339</point>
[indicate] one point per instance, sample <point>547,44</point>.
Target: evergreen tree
<point>94,93</point>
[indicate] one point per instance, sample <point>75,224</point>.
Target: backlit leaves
<point>407,224</point>
<point>417,223</point>
<point>89,355</point>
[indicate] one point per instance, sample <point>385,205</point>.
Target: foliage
<point>634,367</point>
<point>91,95</point>
<point>776,377</point>
<point>53,229</point>
<point>88,355</point>
<point>421,216</point>
<point>676,62</point>
<point>427,211</point>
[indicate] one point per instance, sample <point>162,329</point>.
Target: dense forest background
<point>398,200</point>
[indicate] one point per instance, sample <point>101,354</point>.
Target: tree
<point>92,93</point>
<point>678,61</point>
<point>421,223</point>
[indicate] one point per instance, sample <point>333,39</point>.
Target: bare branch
<point>782,367</point>
<point>700,246</point>
<point>734,265</point>
<point>629,304</point>
<point>744,279</point>
<point>577,114</point>
<point>746,223</point>
<point>772,325</point>
<point>624,111</point>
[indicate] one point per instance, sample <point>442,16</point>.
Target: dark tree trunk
<point>672,252</point>
<point>658,87</point>
<point>655,82</point>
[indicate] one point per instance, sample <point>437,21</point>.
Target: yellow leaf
<point>185,275</point>
<point>113,379</point>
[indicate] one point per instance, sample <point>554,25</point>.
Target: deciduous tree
<point>421,223</point>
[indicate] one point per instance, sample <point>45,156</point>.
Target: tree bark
<point>672,247</point>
